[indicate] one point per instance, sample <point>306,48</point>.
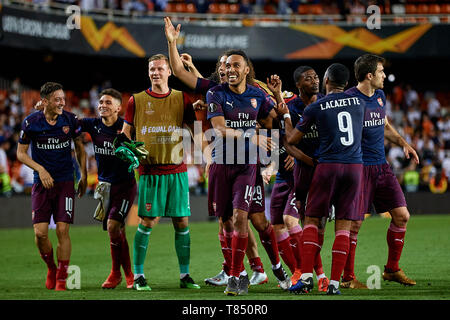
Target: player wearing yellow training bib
<point>157,116</point>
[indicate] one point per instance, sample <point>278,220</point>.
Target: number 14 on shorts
<point>254,193</point>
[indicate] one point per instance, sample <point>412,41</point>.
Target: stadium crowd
<point>280,7</point>
<point>423,118</point>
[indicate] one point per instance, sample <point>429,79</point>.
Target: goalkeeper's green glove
<point>136,147</point>
<point>128,156</point>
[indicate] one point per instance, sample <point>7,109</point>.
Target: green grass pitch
<point>425,258</point>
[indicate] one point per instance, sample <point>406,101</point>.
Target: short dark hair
<point>48,88</point>
<point>365,64</point>
<point>299,71</point>
<point>251,74</point>
<point>113,93</point>
<point>338,74</point>
<point>160,56</point>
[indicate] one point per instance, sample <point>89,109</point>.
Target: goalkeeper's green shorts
<point>164,195</point>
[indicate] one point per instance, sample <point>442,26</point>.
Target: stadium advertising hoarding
<point>43,31</point>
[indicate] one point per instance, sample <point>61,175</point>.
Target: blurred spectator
<point>426,173</point>
<point>134,6</point>
<point>160,5</point>
<point>411,178</point>
<point>245,7</point>
<point>93,96</point>
<point>397,95</point>
<point>414,115</point>
<point>396,157</point>
<point>92,178</point>
<point>433,106</point>
<point>427,125</point>
<point>397,116</point>
<point>283,7</point>
<point>438,183</point>
<point>5,181</point>
<point>22,178</point>
<point>411,97</point>
<point>201,5</point>
<point>89,5</point>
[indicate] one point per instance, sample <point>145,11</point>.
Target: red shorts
<point>57,201</point>
<point>339,185</point>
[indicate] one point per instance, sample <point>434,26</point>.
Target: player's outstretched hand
<point>281,109</point>
<point>187,60</point>
<point>82,185</point>
<point>274,84</point>
<point>172,34</point>
<point>46,178</point>
<point>410,150</point>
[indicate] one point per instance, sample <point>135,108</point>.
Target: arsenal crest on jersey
<point>66,129</point>
<point>380,101</point>
<point>254,102</point>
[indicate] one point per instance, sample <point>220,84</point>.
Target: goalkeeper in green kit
<point>154,115</point>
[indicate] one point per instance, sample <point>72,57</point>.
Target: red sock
<point>226,250</point>
<point>349,269</point>
<point>318,267</point>
<point>284,247</point>
<point>340,250</point>
<point>395,240</point>
<point>296,240</point>
<point>48,259</point>
<point>61,272</point>
<point>125,259</point>
<point>269,243</point>
<point>256,264</point>
<point>115,243</point>
<point>238,248</point>
<point>309,248</point>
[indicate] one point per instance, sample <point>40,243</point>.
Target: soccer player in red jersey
<point>50,133</point>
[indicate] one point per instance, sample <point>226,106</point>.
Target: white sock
<point>320,276</point>
<point>137,275</point>
<point>277,266</point>
<point>182,275</point>
<point>243,273</point>
<point>306,276</point>
<point>335,283</point>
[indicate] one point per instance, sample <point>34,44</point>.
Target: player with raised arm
<point>201,85</point>
<point>157,116</point>
<point>50,133</point>
<point>234,108</point>
<point>339,119</point>
<point>381,187</point>
<point>117,185</point>
<point>307,82</point>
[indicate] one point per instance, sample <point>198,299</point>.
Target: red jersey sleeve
<point>189,115</point>
<point>129,114</point>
